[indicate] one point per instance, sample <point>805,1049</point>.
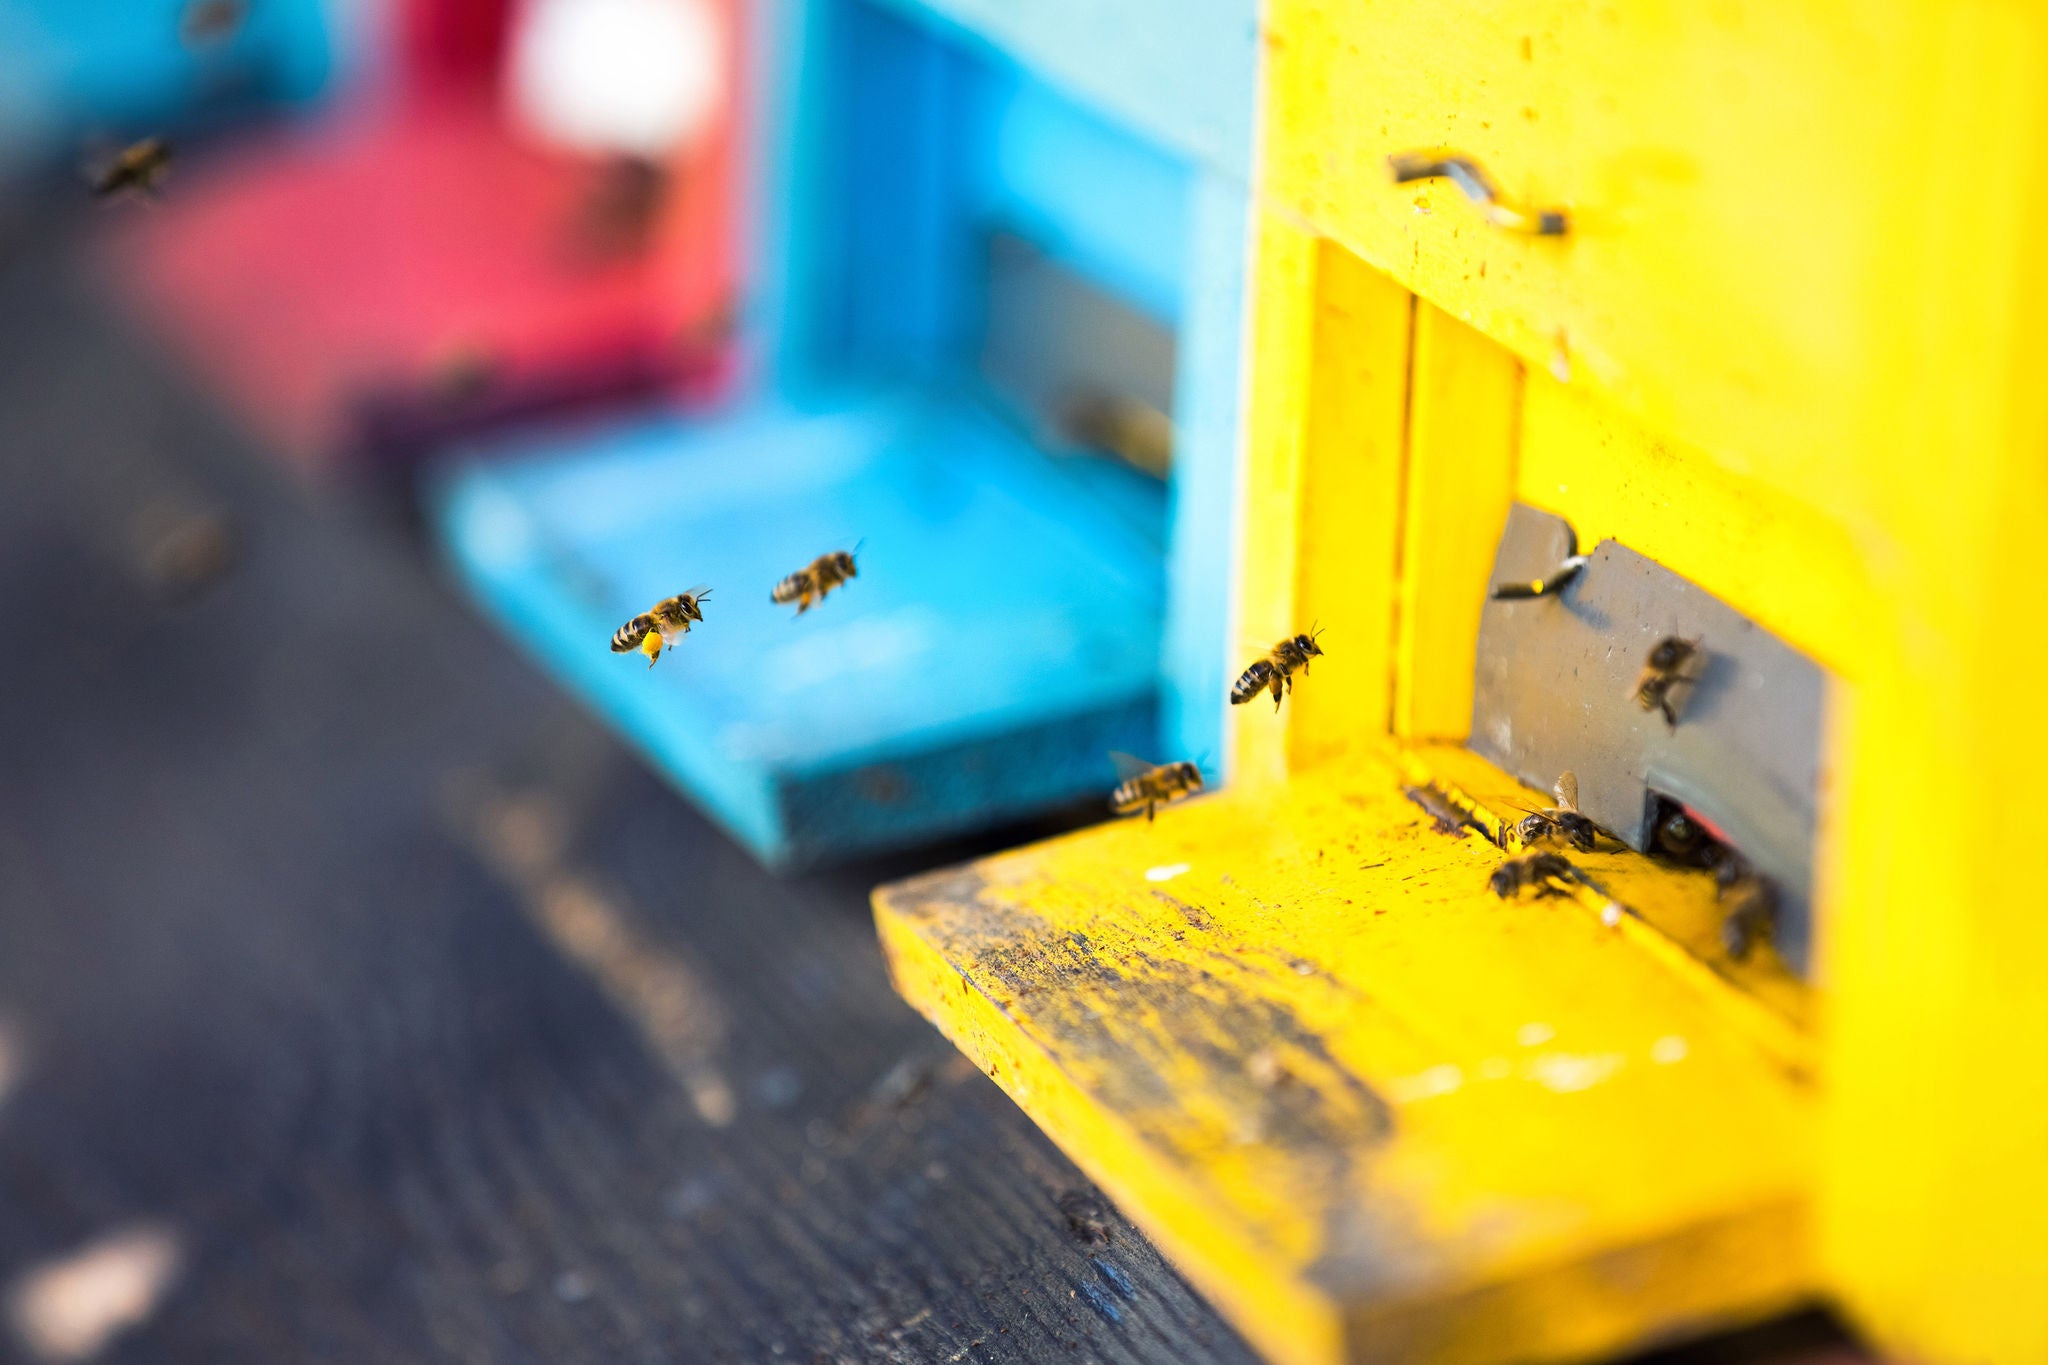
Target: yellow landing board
<point>1376,1113</point>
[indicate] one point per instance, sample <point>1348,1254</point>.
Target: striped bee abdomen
<point>628,637</point>
<point>791,588</point>
<point>1254,680</point>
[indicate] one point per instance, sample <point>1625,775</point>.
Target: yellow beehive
<point>1793,346</point>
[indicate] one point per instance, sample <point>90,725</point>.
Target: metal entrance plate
<point>1553,688</point>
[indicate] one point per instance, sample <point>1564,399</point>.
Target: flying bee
<point>1146,787</point>
<point>1664,673</point>
<point>140,166</point>
<point>1275,672</point>
<point>1752,902</point>
<point>1542,587</point>
<point>811,583</point>
<point>660,628</point>
<point>1538,872</point>
<point>1563,820</point>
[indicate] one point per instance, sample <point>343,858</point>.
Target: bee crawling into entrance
<point>810,583</point>
<point>1538,872</point>
<point>1275,672</point>
<point>660,628</point>
<point>1664,673</point>
<point>1562,821</point>
<point>1146,787</point>
<point>1752,905</point>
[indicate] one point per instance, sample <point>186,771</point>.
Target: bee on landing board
<point>1664,672</point>
<point>1561,821</point>
<point>810,583</point>
<point>140,166</point>
<point>658,629</point>
<point>1275,672</point>
<point>1146,787</point>
<point>1538,872</point>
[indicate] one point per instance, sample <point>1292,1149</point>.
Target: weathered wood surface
<point>337,944</point>
<point>432,1027</point>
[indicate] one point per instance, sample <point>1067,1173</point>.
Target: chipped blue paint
<point>1116,1277</point>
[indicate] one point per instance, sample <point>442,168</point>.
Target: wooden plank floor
<point>345,957</point>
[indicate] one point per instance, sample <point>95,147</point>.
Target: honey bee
<point>1752,902</point>
<point>1275,672</point>
<point>1146,787</point>
<point>660,628</point>
<point>1538,872</point>
<point>815,579</point>
<point>1664,673</point>
<point>140,166</point>
<point>1542,587</point>
<point>1563,820</point>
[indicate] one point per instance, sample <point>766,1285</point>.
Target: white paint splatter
<point>1165,872</point>
<point>1610,914</point>
<point>70,1308</point>
<point>1423,1085</point>
<point>1534,1035</point>
<point>1668,1049</point>
<point>1564,1072</point>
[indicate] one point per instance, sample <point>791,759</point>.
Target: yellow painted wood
<point>1281,369</point>
<point>1461,466</point>
<point>1801,318</point>
<point>1718,161</point>
<point>1376,1113</point>
<point>1792,349</point>
<point>1322,505</point>
<point>1350,513</point>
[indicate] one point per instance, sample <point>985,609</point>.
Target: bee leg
<point>1670,715</point>
<point>1150,806</point>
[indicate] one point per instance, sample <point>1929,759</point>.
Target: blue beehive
<point>116,68</point>
<point>979,221</point>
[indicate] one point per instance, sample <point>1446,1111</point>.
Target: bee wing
<point>1129,766</point>
<point>701,590</point>
<point>1567,790</point>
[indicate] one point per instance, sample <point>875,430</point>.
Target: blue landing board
<point>1002,638</point>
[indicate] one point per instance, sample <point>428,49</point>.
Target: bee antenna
<point>857,544</point>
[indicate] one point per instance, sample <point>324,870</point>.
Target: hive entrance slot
<point>1082,368</point>
<point>1559,686</point>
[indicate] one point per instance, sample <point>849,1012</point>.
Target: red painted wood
<point>399,275</point>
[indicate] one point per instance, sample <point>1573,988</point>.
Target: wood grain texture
<point>428,1023</point>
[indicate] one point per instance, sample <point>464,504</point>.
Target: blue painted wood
<point>1201,645</point>
<point>1181,73</point>
<point>1000,641</point>
<point>1013,622</point>
<point>71,68</point>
